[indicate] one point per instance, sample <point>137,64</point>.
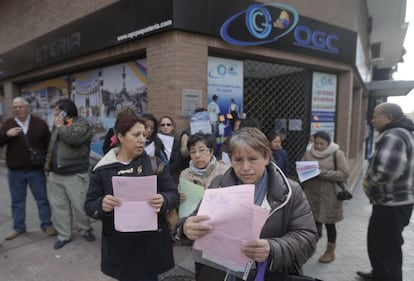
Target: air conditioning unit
<point>375,50</point>
<point>376,58</point>
<point>376,61</point>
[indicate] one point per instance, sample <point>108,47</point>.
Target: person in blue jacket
<point>279,155</point>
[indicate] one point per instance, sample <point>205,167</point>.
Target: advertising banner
<point>225,95</point>
<point>323,109</point>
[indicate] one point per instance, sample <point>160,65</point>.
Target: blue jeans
<point>18,181</point>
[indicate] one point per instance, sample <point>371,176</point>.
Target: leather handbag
<point>342,190</point>
<point>37,154</point>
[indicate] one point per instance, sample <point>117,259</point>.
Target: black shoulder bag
<point>342,191</point>
<point>37,154</point>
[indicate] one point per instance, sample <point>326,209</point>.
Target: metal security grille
<point>278,96</point>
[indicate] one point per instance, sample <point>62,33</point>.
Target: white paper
<point>150,149</point>
<point>168,144</point>
<point>307,170</point>
<point>225,158</point>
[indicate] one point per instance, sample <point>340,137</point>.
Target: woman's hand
<point>182,196</point>
<point>109,202</point>
<point>194,227</point>
<point>257,250</point>
<point>156,201</point>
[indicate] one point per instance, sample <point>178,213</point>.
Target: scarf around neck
<point>201,172</point>
<point>332,147</point>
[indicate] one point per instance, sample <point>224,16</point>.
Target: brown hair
<point>125,120</point>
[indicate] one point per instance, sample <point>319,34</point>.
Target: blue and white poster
<point>323,103</point>
<point>225,95</point>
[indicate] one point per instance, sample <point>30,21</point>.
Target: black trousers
<point>385,240</point>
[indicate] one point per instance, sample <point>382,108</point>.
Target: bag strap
<point>26,140</point>
<point>334,159</point>
<point>157,170</point>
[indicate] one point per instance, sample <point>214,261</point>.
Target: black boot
<point>366,275</point>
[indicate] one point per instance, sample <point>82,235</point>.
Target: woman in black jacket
<point>153,145</point>
<point>172,149</point>
<point>131,256</point>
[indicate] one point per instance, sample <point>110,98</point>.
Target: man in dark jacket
<point>68,166</point>
<point>18,134</point>
<point>389,185</point>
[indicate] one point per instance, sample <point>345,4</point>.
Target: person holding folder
<point>131,256</point>
<point>203,166</point>
<point>321,191</point>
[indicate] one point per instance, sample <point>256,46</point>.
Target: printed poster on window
<point>99,95</point>
<point>323,109</point>
<point>225,95</point>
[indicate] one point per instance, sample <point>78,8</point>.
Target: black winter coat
<point>128,256</point>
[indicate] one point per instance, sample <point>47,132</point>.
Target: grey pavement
<point>31,257</point>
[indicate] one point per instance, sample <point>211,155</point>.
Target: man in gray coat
<point>68,166</point>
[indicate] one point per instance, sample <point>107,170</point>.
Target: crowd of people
<point>143,145</point>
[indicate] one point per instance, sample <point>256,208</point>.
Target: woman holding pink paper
<point>131,256</point>
<point>288,237</point>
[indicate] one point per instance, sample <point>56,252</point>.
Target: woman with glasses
<point>171,145</point>
<point>203,166</point>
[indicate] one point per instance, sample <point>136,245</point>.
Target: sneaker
<point>59,244</point>
<point>88,236</point>
<point>50,231</point>
<point>13,234</point>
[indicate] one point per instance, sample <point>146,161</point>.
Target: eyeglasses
<point>200,151</point>
<point>166,125</point>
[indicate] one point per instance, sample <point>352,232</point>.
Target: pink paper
<point>236,221</point>
<point>135,214</point>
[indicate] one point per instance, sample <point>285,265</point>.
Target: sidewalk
<point>31,256</point>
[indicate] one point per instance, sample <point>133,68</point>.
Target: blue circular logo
<point>221,69</point>
<point>264,23</point>
<point>258,21</point>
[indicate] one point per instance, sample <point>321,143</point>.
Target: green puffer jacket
<point>69,148</point>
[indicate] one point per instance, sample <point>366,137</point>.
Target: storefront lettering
<point>58,47</point>
<point>318,39</point>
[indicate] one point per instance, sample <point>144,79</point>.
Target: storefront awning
<point>386,88</point>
